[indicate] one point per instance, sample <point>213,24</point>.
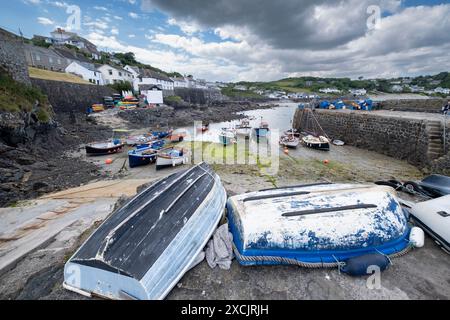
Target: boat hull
<point>434,217</point>
<point>261,230</point>
<point>138,158</point>
<point>317,145</point>
<point>92,150</point>
<point>126,258</point>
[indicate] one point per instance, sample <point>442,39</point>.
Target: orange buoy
<point>108,161</point>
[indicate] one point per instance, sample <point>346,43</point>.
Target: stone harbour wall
<point>12,57</point>
<point>66,97</point>
<point>401,138</point>
<point>416,105</point>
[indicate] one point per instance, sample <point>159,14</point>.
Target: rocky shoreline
<point>33,159</point>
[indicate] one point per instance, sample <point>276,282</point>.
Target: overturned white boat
<point>317,224</point>
<point>142,250</point>
<point>434,217</point>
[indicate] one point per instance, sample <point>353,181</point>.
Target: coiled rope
<point>310,265</point>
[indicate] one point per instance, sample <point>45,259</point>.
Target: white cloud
<point>45,21</point>
<point>133,15</point>
<point>100,8</point>
<point>35,2</point>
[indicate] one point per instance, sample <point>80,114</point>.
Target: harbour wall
<point>199,96</point>
<point>413,105</point>
<point>399,137</point>
<point>12,57</point>
<point>66,97</point>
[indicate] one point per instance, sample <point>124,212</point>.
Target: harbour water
<point>278,118</point>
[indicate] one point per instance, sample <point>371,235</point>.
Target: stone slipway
<point>34,224</point>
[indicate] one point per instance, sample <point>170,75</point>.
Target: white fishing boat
<point>143,250</point>
<point>244,129</point>
<point>290,141</point>
<point>313,135</point>
<point>138,140</point>
<point>318,143</point>
<point>171,157</point>
<point>434,217</point>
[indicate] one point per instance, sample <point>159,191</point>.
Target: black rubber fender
<point>358,266</point>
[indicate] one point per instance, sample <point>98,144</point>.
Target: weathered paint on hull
<point>142,251</point>
<point>260,229</point>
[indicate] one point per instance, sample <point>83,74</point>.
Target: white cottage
<point>87,71</point>
<point>150,77</point>
<point>113,75</point>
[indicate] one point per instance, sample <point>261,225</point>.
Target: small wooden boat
<point>227,137</point>
<point>104,148</point>
<point>314,136</point>
<point>244,129</point>
<point>139,140</point>
<point>317,223</point>
<point>98,107</point>
<point>290,141</point>
<point>262,130</point>
<point>142,157</point>
<point>171,157</point>
<point>178,136</point>
<point>434,217</point>
<point>155,145</point>
<point>161,134</point>
<point>143,250</point>
<point>319,143</point>
<point>339,143</point>
<point>293,132</point>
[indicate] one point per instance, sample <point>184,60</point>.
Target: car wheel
<point>411,187</point>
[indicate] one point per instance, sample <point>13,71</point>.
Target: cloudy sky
<point>256,40</point>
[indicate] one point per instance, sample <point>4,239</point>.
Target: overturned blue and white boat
<point>142,250</point>
<point>317,225</point>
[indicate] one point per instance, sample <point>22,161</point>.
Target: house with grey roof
<point>147,76</point>
<point>86,71</point>
<point>113,75</point>
<point>43,58</point>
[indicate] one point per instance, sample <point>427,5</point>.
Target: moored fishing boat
<point>178,136</point>
<point>316,224</point>
<point>227,137</point>
<point>139,140</point>
<point>142,250</point>
<point>171,157</point>
<point>104,148</point>
<point>290,141</point>
<point>314,136</point>
<point>162,134</point>
<point>244,129</point>
<point>319,143</point>
<point>155,145</point>
<point>142,157</point>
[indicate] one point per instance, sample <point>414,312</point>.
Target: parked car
<point>433,186</point>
